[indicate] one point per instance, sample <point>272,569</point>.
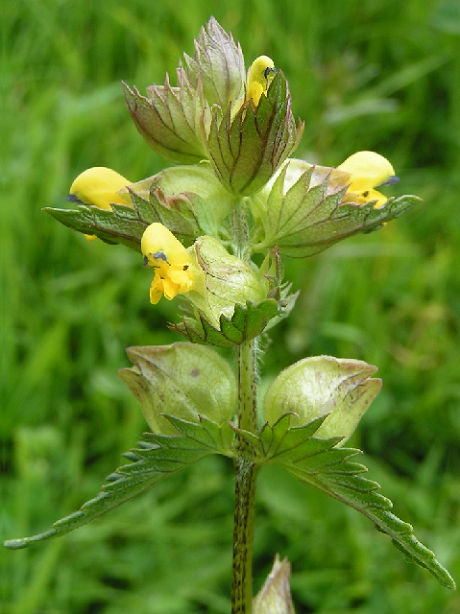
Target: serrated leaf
<point>217,438</point>
<point>188,200</point>
<point>319,463</point>
<point>360,493</point>
<point>280,443</point>
<point>344,222</point>
<point>248,321</point>
<point>116,226</point>
<point>150,463</point>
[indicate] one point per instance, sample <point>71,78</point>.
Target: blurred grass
<point>363,75</point>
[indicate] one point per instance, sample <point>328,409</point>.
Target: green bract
<point>217,66</point>
<point>189,200</point>
<point>247,147</point>
<point>302,212</point>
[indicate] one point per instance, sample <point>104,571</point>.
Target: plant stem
<point>245,481</point>
<point>247,382</point>
<point>243,529</point>
<point>240,230</point>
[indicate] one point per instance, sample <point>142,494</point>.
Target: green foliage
<point>373,75</point>
<point>317,462</point>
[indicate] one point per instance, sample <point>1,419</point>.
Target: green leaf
<point>319,463</point>
<point>150,463</point>
<point>121,225</point>
<point>248,321</point>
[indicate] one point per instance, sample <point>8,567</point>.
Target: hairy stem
<point>243,529</point>
<point>240,230</point>
<point>245,482</point>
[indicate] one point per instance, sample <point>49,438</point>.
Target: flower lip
<point>390,181</point>
<point>367,171</point>
<point>73,198</point>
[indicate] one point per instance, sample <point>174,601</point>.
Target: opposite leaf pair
<point>188,379</point>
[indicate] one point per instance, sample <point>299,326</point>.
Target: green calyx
<point>184,380</point>
<point>337,390</point>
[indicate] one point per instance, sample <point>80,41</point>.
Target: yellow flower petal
<point>260,76</point>
<point>156,290</point>
<point>175,272</point>
<point>367,170</point>
<point>99,186</point>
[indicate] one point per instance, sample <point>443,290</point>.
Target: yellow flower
<point>98,186</point>
<point>367,170</point>
<point>175,271</point>
<point>260,76</point>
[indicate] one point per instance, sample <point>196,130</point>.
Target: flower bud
<point>172,119</point>
<point>275,595</point>
<point>217,66</point>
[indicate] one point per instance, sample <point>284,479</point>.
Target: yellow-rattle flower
<point>367,170</point>
<point>175,272</point>
<point>98,186</point>
<point>260,76</point>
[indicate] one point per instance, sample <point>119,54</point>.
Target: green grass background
<point>364,74</point>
